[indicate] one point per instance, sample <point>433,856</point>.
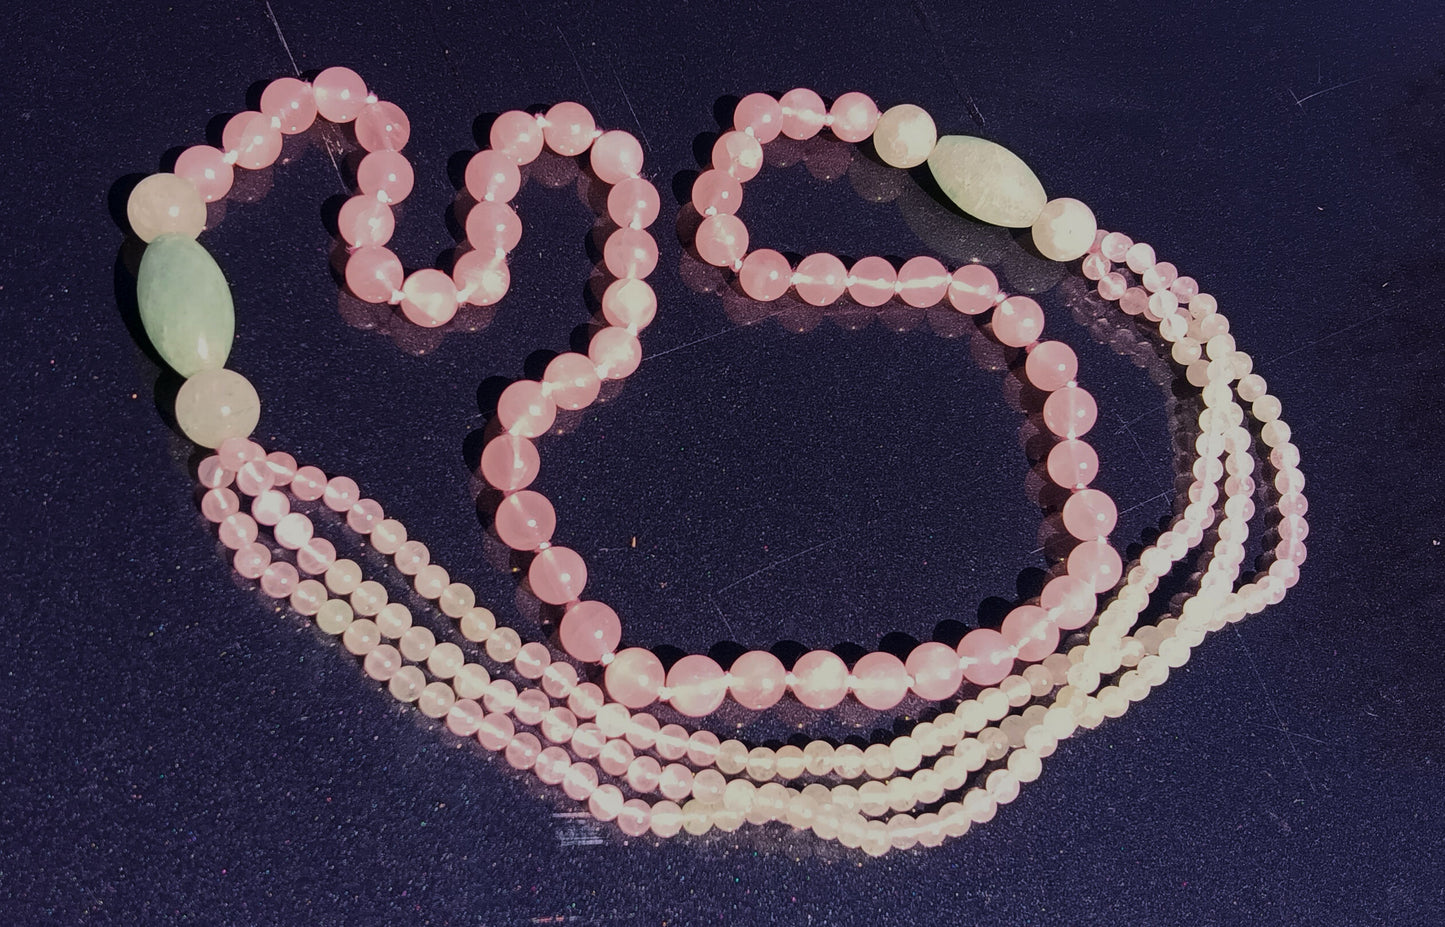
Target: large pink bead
<point>738,154</point>
<point>715,192</point>
<point>1073,464</point>
<point>524,409</point>
<point>1070,412</point>
<point>698,685</point>
<point>557,575</point>
<point>481,278</point>
<point>630,253</point>
<point>629,304</point>
<point>1051,365</point>
<point>525,520</point>
<point>986,656</point>
<point>1090,514</point>
<point>291,102</point>
<point>517,135</point>
<point>1096,563</point>
<point>493,227</point>
<point>765,275</point>
<point>803,113</point>
<point>935,670</point>
<point>759,115</point>
<point>1029,629</point>
<point>589,631</point>
<point>374,274</point>
<point>251,136</point>
<point>722,240</point>
<point>340,94</point>
<point>758,680</point>
<point>429,298</point>
<point>616,352</point>
<point>571,381</point>
<point>569,128</point>
<point>882,680</point>
<point>820,678</point>
<point>972,289</point>
<point>388,173</point>
<point>616,156</point>
<point>633,677</point>
<point>492,177</point>
<point>206,167</point>
<point>365,221</point>
<point>1018,321</point>
<point>923,281</point>
<point>633,203</point>
<point>854,116</point>
<point>873,280</point>
<point>822,278</point>
<point>382,126</point>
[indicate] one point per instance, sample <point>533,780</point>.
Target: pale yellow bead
<point>801,812</point>
<point>1090,713</point>
<point>848,761</point>
<point>213,405</point>
<point>818,757</point>
<point>445,660</point>
<point>343,577</point>
<point>1002,785</point>
<point>1041,741</point>
<point>727,820</point>
<point>368,598</point>
<point>980,806</point>
<point>478,624</point>
<point>393,620</point>
<point>361,637</point>
<point>165,204</point>
<point>773,798</point>
<point>417,643</point>
<point>873,798</point>
<point>1134,686</point>
<point>696,817</point>
<point>472,681</point>
<point>928,786</point>
<point>973,753</point>
<point>972,716</point>
<point>334,616</point>
<point>905,136</point>
<point>995,704</point>
<point>828,817</point>
<point>407,684</point>
<point>1025,765</point>
<point>1113,702</point>
<point>666,819</point>
<point>1017,690</point>
<point>436,700</point>
<point>738,795</point>
<point>851,827</point>
<point>762,765</point>
<point>906,753</point>
<point>902,793</point>
<point>1040,684</point>
<point>930,830</point>
<point>929,741</point>
<point>790,762</point>
<point>902,832</point>
<point>388,535</point>
<point>956,821</point>
<point>845,796</point>
<point>995,743</point>
<point>708,785</point>
<point>455,599</point>
<point>732,757</point>
<point>1064,229</point>
<point>878,761</point>
<point>503,645</point>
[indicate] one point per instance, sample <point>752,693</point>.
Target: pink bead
<point>270,507</point>
<point>525,520</point>
<point>293,531</point>
<point>206,167</point>
<point>605,804</point>
<point>1134,301</point>
<point>698,685</point>
<point>291,102</point>
<point>631,253</point>
<point>633,203</point>
<point>616,156</point>
<point>531,661</point>
<point>523,750</point>
<point>316,556</point>
<point>1070,412</point>
<point>569,128</point>
<point>1186,288</point>
<point>235,452</point>
<point>283,466</point>
<point>923,281</point>
<point>558,679</point>
<point>616,353</point>
<point>758,680</point>
<point>643,732</point>
<point>212,473</point>
<point>1095,266</point>
<point>1115,245</point>
<point>644,774</point>
<point>557,575</point>
<point>373,274</point>
<point>635,819</point>
<point>1160,277</point>
<point>765,275</point>
<point>702,748</point>
<point>803,113</point>
<point>1112,286</point>
<point>524,409</point>
<point>972,289</point>
<point>759,115</point>
<point>251,561</point>
<point>1018,321</point>
<point>492,177</point>
<point>882,680</point>
<point>1070,602</point>
<point>715,192</point>
<point>430,298</point>
<point>1029,630</point>
<point>738,155</point>
<point>481,278</point>
<point>854,116</point>
<point>1096,563</point>
<point>571,381</point>
<point>340,94</point>
<point>252,138</point>
<point>935,670</point>
<point>386,176</point>
<point>530,706</point>
<point>873,280</point>
<point>382,126</point>
<point>279,580</point>
<point>820,677</point>
<point>510,462</point>
<point>517,135</point>
<point>1051,365</point>
<point>633,677</point>
<point>308,484</point>
<point>217,504</point>
<point>341,494</point>
<point>365,221</point>
<point>822,278</point>
<point>1090,514</point>
<point>986,655</point>
<point>721,240</point>
<point>1073,464</point>
<point>589,630</point>
<point>255,477</point>
<point>629,304</point>
<point>676,782</point>
<point>1139,257</point>
<point>238,530</point>
<point>495,731</point>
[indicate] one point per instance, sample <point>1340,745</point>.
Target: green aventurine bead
<point>987,181</point>
<point>185,304</point>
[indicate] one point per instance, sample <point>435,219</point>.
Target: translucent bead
<point>557,575</point>
<point>364,221</point>
<point>207,168</point>
<point>721,240</point>
<point>821,279</point>
<point>633,203</point>
<point>510,462</point>
<point>386,176</point>
<point>759,115</point>
<point>185,304</point>
<point>492,177</point>
<point>291,103</point>
<point>737,154</point>
<point>340,94</point>
<point>571,381</point>
<point>569,129</point>
<point>373,275</point>
<point>973,289</point>
<point>633,677</point>
<point>589,630</point>
<point>803,113</point>
<point>820,679</point>
<point>765,275</point>
<point>698,685</point>
<point>429,298</point>
<point>757,680</point>
<point>1064,229</point>
<point>904,136</point>
<point>525,520</point>
<point>882,680</point>
<point>616,156</point>
<point>629,304</point>
<point>517,135</point>
<point>217,404</point>
<point>615,352</point>
<point>873,281</point>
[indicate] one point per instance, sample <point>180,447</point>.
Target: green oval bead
<point>987,181</point>
<point>185,304</point>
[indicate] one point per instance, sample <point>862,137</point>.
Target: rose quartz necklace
<point>595,741</point>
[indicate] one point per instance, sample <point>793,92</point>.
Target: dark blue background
<point>177,750</point>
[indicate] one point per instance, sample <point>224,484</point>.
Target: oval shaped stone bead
<point>987,181</point>
<point>185,304</point>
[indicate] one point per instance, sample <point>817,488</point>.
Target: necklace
<point>979,749</point>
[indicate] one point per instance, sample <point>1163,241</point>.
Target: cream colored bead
<point>478,624</point>
<point>407,684</point>
<point>436,700</point>
<point>790,762</point>
<point>1064,229</point>
<point>995,743</point>
<point>972,716</point>
<point>456,599</point>
<point>213,405</point>
<point>666,819</point>
<point>1112,702</point>
<point>738,795</point>
<point>472,681</point>
<point>1025,765</point>
<point>368,598</point>
<point>334,616</point>
<point>696,817</point>
<point>845,796</point>
<point>902,793</point>
<point>904,136</point>
<point>902,832</point>
<point>343,577</point>
<point>876,840</point>
<point>873,798</point>
<point>928,786</point>
<point>1041,741</point>
<point>445,660</point>
<point>818,757</point>
<point>929,740</point>
<point>165,204</point>
<point>732,757</point>
<point>878,761</point>
<point>361,637</point>
<point>1002,785</point>
<point>995,704</point>
<point>417,643</point>
<point>801,812</point>
<point>973,753</point>
<point>848,761</point>
<point>1017,690</point>
<point>762,765</point>
<point>979,806</point>
<point>393,620</point>
<point>906,753</point>
<point>503,645</point>
<point>952,772</point>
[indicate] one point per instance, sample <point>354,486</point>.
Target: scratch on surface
<point>581,73</point>
<point>1300,101</point>
<point>1288,733</point>
<point>946,58</point>
<point>1331,334</point>
<point>1133,437</point>
<point>1139,505</point>
<point>328,139</point>
<point>723,615</point>
<point>697,341</point>
<point>778,563</point>
<point>1269,697</point>
<point>628,100</point>
<point>271,15</point>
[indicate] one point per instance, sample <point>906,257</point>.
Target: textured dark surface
<point>176,750</point>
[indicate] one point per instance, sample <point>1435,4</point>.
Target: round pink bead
<point>235,452</point>
<point>283,466</point>
<point>291,102</point>
<point>316,556</point>
<point>676,782</point>
<point>715,192</point>
<point>557,575</point>
<point>822,278</point>
<point>385,173</point>
<point>1070,602</point>
<point>972,289</point>
<point>633,677</point>
<point>1073,464</point>
<point>495,731</point>
<point>212,473</point>
<point>510,462</point>
<point>1096,563</point>
<point>923,281</point>
<point>206,167</point>
<point>1051,365</point>
<point>279,580</point>
<point>589,631</point>
<point>374,275</point>
<point>935,670</point>
<point>255,477</point>
<point>251,136</point>
<point>1029,630</point>
<point>294,530</point>
<point>854,116</point>
<point>382,126</point>
<point>1070,412</point>
<point>569,128</point>
<point>1113,286</point>
<point>698,685</point>
<point>882,680</point>
<point>616,353</point>
<point>702,748</point>
<point>217,504</point>
<point>738,154</point>
<point>251,561</point>
<point>430,298</point>
<point>238,530</point>
<point>571,381</point>
<point>616,156</point>
<point>493,227</point>
<point>765,275</point>
<point>644,774</point>
<point>523,750</point>
<point>1090,514</point>
<point>308,484</point>
<point>760,116</point>
<point>1139,257</point>
<point>633,203</point>
<point>524,409</point>
<point>758,680</point>
<point>605,804</point>
<point>525,520</point>
<point>1115,245</point>
<point>492,177</point>
<point>1018,321</point>
<point>341,494</point>
<point>631,253</point>
<point>482,278</point>
<point>365,221</point>
<point>635,818</point>
<point>629,304</point>
<point>340,94</point>
<point>873,280</point>
<point>531,662</point>
<point>986,656</point>
<point>721,240</point>
<point>270,507</point>
<point>517,135</point>
<point>820,678</point>
<point>803,113</point>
